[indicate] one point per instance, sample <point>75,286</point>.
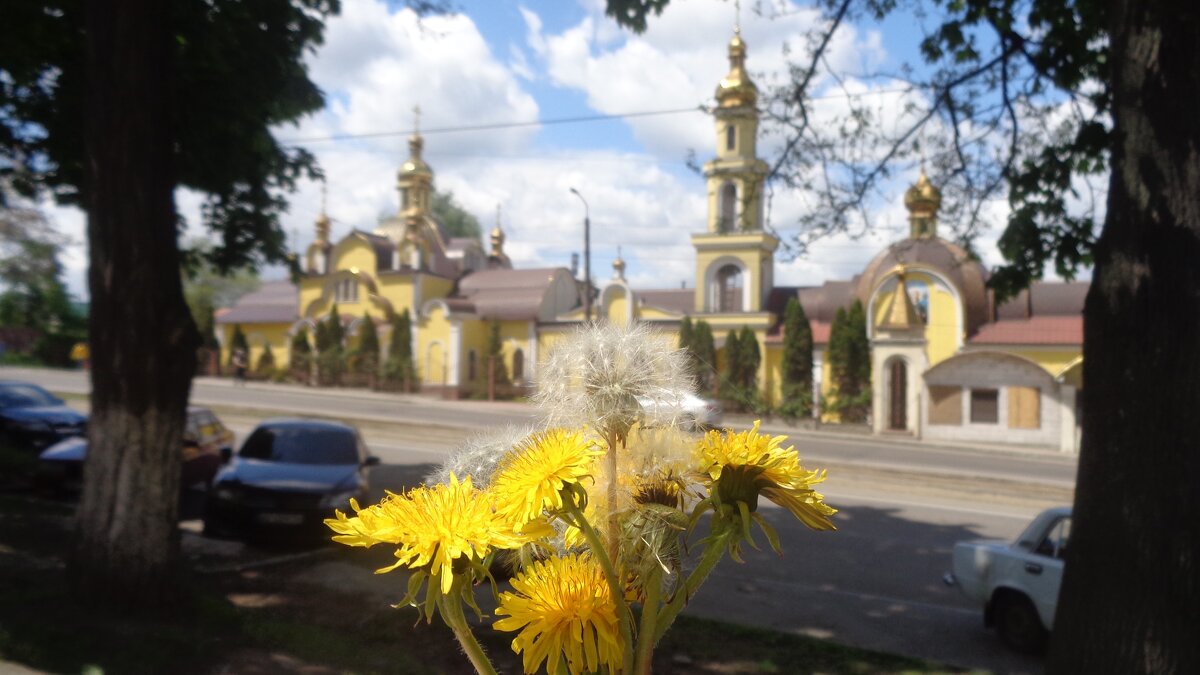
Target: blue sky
<point>542,60</point>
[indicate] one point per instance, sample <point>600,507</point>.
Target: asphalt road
<point>876,583</point>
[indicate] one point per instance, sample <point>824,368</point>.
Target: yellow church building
<point>948,362</point>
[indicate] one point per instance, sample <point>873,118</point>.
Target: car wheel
<point>1018,623</point>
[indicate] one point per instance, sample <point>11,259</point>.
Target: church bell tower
<point>735,258</point>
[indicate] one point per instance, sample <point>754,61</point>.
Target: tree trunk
<point>1130,599</point>
<point>143,339</point>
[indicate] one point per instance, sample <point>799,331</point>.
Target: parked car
<point>288,477</point>
<point>683,407</point>
<point>32,418</point>
<point>207,443</point>
<point>1017,582</point>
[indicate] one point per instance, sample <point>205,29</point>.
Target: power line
<point>561,120</point>
<point>496,125</point>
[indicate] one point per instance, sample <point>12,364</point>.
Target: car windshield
<point>25,396</point>
<point>301,445</point>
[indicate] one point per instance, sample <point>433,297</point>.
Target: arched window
<point>729,289</point>
<point>518,366</point>
<point>728,207</point>
<point>471,366</point>
<point>404,199</point>
<point>730,137</point>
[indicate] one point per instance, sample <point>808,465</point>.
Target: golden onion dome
<point>619,266</point>
<point>414,164</point>
<point>736,89</point>
<point>923,196</point>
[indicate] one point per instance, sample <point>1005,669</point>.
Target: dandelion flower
<point>563,608</point>
<point>743,465</point>
<point>434,527</point>
<point>531,478</point>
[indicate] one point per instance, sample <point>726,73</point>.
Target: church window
<point>730,137</point>
<point>472,366</point>
<point>728,207</point>
<point>346,290</point>
<point>1024,408</point>
<point>518,366</point>
<point>985,406</point>
<point>404,199</point>
<point>729,289</point>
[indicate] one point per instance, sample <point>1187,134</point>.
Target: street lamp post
<point>587,258</point>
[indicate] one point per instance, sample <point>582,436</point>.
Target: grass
<point>279,619</point>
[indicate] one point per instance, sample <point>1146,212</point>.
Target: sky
<point>498,62</point>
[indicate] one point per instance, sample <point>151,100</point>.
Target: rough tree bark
<point>1130,599</point>
<point>143,339</point>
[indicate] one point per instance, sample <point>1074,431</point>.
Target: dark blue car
<point>289,476</point>
<point>32,418</point>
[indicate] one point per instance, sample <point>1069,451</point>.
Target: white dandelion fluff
<point>480,454</point>
<point>607,376</point>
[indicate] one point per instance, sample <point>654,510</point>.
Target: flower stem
<point>613,524</point>
<point>452,613</point>
<point>712,555</point>
<point>614,583</point>
<point>645,646</point>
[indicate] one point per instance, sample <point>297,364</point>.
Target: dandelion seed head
<point>480,454</point>
<point>605,375</point>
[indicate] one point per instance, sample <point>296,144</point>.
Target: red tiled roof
<point>1039,330</point>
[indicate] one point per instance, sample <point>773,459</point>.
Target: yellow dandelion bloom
<point>530,480</point>
<point>563,609</point>
<point>772,471</point>
<point>434,526</point>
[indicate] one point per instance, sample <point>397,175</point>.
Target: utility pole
<point>587,258</point>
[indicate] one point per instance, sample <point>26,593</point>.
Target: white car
<point>682,407</point>
<point>1017,582</point>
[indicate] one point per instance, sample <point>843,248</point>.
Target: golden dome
<point>414,164</point>
<point>923,196</point>
<point>736,89</point>
<point>618,267</point>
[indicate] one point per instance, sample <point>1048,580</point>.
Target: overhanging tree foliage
<point>797,362</point>
<point>1030,101</point>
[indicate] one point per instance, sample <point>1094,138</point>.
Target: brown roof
<point>1039,330</point>
<point>273,302</point>
<point>1046,298</point>
<point>677,300</point>
<point>506,294</point>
